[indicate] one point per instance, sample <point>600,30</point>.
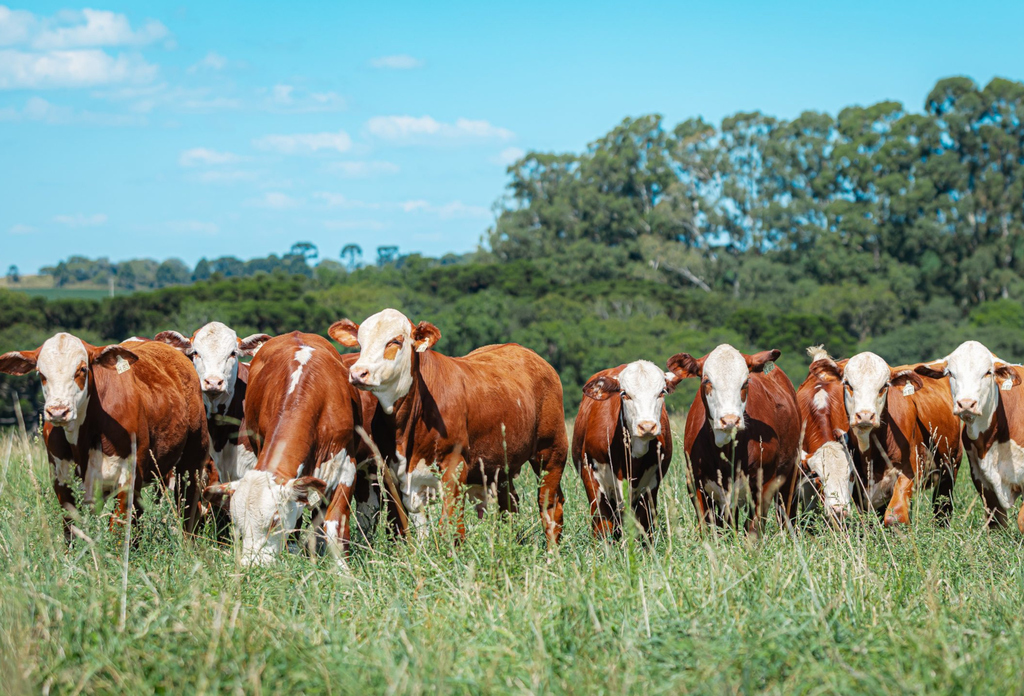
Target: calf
<point>301,413</point>
<point>214,350</point>
<point>479,417</point>
<point>984,395</point>
<point>824,455</point>
<point>118,413</point>
<point>622,432</point>
<point>742,434</point>
<point>904,431</point>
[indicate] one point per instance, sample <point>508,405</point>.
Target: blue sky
<point>195,129</point>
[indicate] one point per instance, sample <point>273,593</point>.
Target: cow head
<point>724,374</point>
<point>641,387</point>
<point>214,350</point>
<point>265,510</point>
<point>832,466</point>
<point>65,364</point>
<point>866,382</point>
<point>976,377</point>
<point>386,342</point>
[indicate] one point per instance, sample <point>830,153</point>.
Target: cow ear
<point>345,332</point>
<point>219,494</point>
<point>841,366</point>
<point>250,345</point>
<point>306,490</point>
<point>935,369</point>
<point>904,377</point>
<point>19,362</point>
<point>111,355</point>
<point>176,340</point>
<point>1005,372</point>
<point>757,361</point>
<point>672,381</point>
<point>600,388</point>
<point>684,365</point>
<point>425,335</point>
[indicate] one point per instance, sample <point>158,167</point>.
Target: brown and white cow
<point>985,396</point>
<point>824,455</point>
<point>742,434</point>
<point>102,401</point>
<point>902,430</point>
<point>479,417</point>
<point>621,433</point>
<point>214,350</point>
<point>301,412</point>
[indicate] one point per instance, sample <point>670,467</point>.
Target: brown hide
<point>599,437</point>
<point>765,452</point>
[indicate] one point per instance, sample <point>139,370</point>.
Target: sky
<point>201,129</point>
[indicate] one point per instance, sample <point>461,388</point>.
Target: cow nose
<point>864,419</point>
<point>840,513</point>
<point>58,413</point>
<point>646,428</point>
<point>358,375</point>
<point>213,384</point>
<point>967,407</point>
<point>729,422</point>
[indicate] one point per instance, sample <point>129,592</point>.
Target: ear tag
<point>768,367</point>
<point>1007,384</point>
<point>908,389</point>
<point>122,365</point>
<point>313,498</point>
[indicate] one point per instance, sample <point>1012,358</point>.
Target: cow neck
<point>883,451</point>
<point>405,413</point>
<point>226,426</point>
<point>998,431</point>
<point>82,445</point>
<point>623,438</point>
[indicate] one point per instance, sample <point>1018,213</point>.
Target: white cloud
<point>362,170</point>
<point>81,220</point>
<point>304,143</point>
<point>193,226</point>
<point>219,176</point>
<point>203,156</point>
<point>39,109</point>
<point>274,200</point>
<point>427,129</point>
<point>16,26</point>
<point>354,225</point>
<point>289,99</point>
<point>145,98</point>
<point>281,94</point>
<point>21,229</point>
<point>75,29</point>
<point>211,61</point>
<point>508,156</point>
<point>397,62</point>
<point>336,200</point>
<point>83,68</point>
<point>455,209</point>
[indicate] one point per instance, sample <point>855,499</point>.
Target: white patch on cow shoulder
<point>232,462</point>
<point>302,356</point>
<point>608,483</point>
<point>107,472</point>
<point>1002,470</point>
<point>338,469</point>
<point>419,486</point>
<point>646,483</point>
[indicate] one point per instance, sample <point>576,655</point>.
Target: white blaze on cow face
<point>834,467</point>
<point>386,343</point>
<point>63,366</point>
<point>264,512</point>
<point>865,385</point>
<point>724,382</point>
<point>641,389</point>
<point>975,378</point>
<point>215,356</point>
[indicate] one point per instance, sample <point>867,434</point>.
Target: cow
<point>825,458</point>
<point>621,433</point>
<point>904,431</point>
<point>984,395</point>
<point>742,435</point>
<point>302,414</point>
<point>117,414</point>
<point>214,350</point>
<point>479,417</point>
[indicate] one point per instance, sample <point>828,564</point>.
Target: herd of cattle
<point>305,426</point>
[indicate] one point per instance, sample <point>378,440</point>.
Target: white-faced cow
<point>825,458</point>
<point>621,433</point>
<point>903,430</point>
<point>100,401</point>
<point>215,350</point>
<point>479,417</point>
<point>985,396</point>
<point>301,412</point>
<point>742,434</point>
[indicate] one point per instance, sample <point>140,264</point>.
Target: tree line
<point>878,229</point>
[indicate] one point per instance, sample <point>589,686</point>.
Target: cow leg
<point>995,515</point>
<point>66,499</point>
<point>645,508</point>
<point>549,464</point>
<point>898,511</point>
<point>942,498</point>
<point>601,512</point>
<point>337,523</point>
<point>508,498</point>
<point>453,484</point>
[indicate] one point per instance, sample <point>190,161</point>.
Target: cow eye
<point>82,370</point>
<point>624,395</point>
<point>42,378</point>
<point>234,354</point>
<point>664,392</point>
<point>989,373</point>
<point>882,390</point>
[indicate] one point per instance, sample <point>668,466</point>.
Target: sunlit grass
<point>922,610</point>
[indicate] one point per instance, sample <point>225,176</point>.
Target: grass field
<point>922,610</point>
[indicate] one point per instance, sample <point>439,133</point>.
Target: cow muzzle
<point>360,377</point>
<point>967,409</point>
<point>647,430</point>
<point>58,414</point>
<point>730,423</point>
<point>214,386</point>
<point>864,420</point>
